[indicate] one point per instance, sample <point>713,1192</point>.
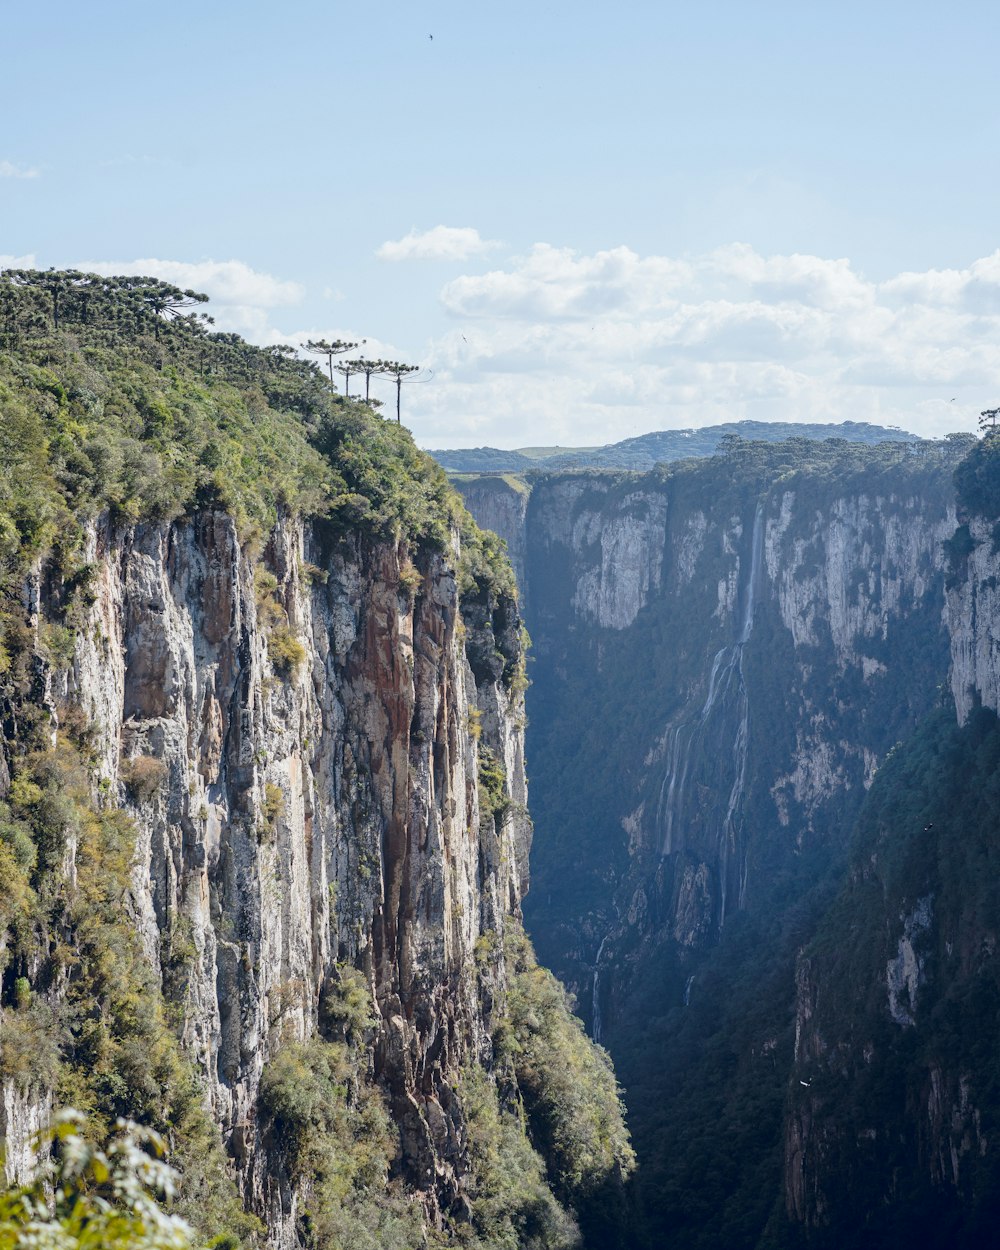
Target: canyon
<point>726,655</point>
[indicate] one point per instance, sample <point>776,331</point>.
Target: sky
<point>583,221</point>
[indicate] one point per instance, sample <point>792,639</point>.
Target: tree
<point>320,347</point>
<point>345,369</point>
<point>988,419</point>
<point>402,373</point>
<point>369,368</point>
<point>86,1198</point>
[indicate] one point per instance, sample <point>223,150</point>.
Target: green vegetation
<point>143,776</point>
<point>977,478</point>
<point>86,1197</point>
<point>335,1131</point>
<point>511,1201</point>
<point>495,481</point>
<point>646,451</point>
<point>493,798</point>
<point>112,398</point>
<point>572,1101</point>
<point>901,1096</point>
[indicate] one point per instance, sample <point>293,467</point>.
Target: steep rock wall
<point>974,620</point>
<point>892,1103</point>
<point>755,637</point>
<point>707,715</point>
<point>301,719</point>
<point>499,504</point>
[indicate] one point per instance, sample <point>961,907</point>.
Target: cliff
<point>499,503</point>
<point>263,810</point>
<point>746,619</point>
<point>893,1101</point>
<point>725,652</point>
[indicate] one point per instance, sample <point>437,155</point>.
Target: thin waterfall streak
<point>595,1004</point>
<point>726,689</point>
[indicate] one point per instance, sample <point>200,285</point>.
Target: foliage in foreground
<point>88,1198</point>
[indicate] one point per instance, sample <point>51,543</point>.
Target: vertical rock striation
<point>295,732</point>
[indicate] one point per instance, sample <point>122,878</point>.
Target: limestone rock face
<point>772,626</point>
<point>501,507</point>
<point>612,545</point>
<point>303,717</point>
<point>974,623</point>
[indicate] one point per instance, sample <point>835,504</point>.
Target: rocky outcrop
<point>974,617</point>
<point>891,1091</point>
<point>499,503</point>
<point>295,729</point>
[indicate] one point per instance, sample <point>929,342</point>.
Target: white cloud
<point>9,170</point>
<point>440,243</point>
<point>230,282</point>
<point>17,262</point>
<point>559,346</point>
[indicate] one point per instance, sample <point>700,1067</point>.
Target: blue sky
<point>590,222</point>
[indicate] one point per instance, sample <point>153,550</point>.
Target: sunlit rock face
<point>974,621</point>
<point>499,504</point>
<point>307,715</point>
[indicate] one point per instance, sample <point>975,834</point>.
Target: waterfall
<point>595,1002</point>
<point>709,738</point>
<point>687,990</point>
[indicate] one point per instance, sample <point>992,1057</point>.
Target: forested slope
<point>263,833</point>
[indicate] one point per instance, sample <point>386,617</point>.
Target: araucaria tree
<point>345,369</point>
<point>369,368</point>
<point>320,347</point>
<point>402,373</point>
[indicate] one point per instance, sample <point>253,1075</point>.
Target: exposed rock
<point>317,802</point>
<point>500,505</point>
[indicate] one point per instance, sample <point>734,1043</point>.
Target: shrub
<point>274,803</point>
<point>574,1107</point>
<point>85,1197</point>
<point>493,797</point>
<point>512,1206</point>
<point>346,1010</point>
<point>143,776</point>
<point>340,1140</point>
<point>410,579</point>
<point>286,652</point>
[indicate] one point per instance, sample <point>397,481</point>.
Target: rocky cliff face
<point>760,632</point>
<point>892,1104</point>
<point>499,504</point>
<point>974,619</point>
<point>724,655</point>
<point>306,797</point>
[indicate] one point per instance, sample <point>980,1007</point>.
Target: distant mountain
<point>647,450</point>
<point>483,460</point>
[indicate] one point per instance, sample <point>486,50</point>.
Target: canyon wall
<point>306,798</point>
<point>724,655</point>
